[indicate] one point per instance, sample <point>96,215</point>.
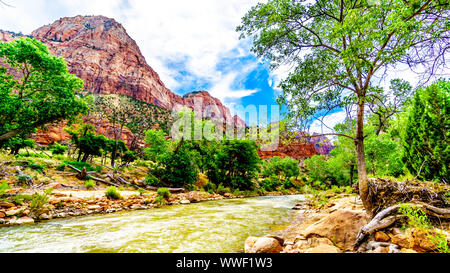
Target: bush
<point>112,193</point>
<point>89,184</point>
<point>236,164</point>
<point>164,193</point>
<point>222,190</point>
<point>61,167</point>
<point>38,202</point>
<point>81,165</point>
<point>283,167</point>
<point>210,187</point>
<point>58,149</point>
<point>24,179</point>
<point>159,200</point>
<point>152,181</point>
<point>36,167</point>
<point>177,168</point>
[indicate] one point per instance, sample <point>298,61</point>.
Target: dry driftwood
<point>390,215</point>
<point>172,190</point>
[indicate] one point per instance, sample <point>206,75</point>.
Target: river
<point>208,227</point>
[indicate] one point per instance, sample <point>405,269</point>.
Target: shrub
<point>283,167</point>
<point>24,179</point>
<point>61,167</point>
<point>210,187</point>
<point>152,181</point>
<point>112,193</point>
<point>89,184</point>
<point>81,165</point>
<point>38,202</point>
<point>36,167</point>
<point>222,190</point>
<point>177,168</point>
<point>164,193</point>
<point>3,187</point>
<point>159,200</point>
<point>236,164</point>
<point>58,149</point>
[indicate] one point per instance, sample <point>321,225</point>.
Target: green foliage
<point>159,200</point>
<point>164,193</point>
<point>112,193</point>
<point>221,189</point>
<point>14,144</point>
<point>89,184</point>
<point>416,216</point>
<point>383,155</point>
<point>129,157</point>
<point>210,187</point>
<point>3,187</point>
<point>426,139</point>
<point>237,164</point>
<point>150,180</point>
<point>37,167</point>
<point>24,179</point>
<point>39,201</point>
<point>80,165</point>
<point>44,93</point>
<point>177,168</point>
<point>58,149</point>
<point>20,198</point>
<point>156,139</point>
<point>88,142</point>
<point>61,167</point>
<point>282,167</point>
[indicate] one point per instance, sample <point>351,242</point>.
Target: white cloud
<point>200,32</point>
<point>223,89</point>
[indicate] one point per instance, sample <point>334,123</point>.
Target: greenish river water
<point>208,227</point>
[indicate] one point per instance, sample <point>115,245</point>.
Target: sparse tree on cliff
<point>35,88</point>
<point>337,48</point>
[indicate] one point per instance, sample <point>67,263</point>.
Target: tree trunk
<point>361,161</point>
<point>352,169</point>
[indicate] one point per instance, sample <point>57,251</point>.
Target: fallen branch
<point>172,190</point>
<point>389,216</point>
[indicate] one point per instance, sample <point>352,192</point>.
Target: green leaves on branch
<point>35,88</point>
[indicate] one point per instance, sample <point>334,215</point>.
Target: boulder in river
<point>262,245</point>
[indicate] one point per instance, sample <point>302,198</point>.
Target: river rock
<point>193,196</point>
<point>2,214</point>
<point>94,207</point>
<point>341,227</point>
<point>6,205</point>
<point>262,245</point>
<point>25,221</point>
<point>13,212</point>
<point>185,202</point>
<point>323,249</point>
<point>380,236</point>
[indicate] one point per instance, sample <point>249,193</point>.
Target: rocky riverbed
<point>334,229</point>
<point>64,203</point>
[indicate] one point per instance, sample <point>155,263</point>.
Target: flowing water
<point>208,227</point>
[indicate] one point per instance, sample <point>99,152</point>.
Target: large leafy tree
<point>35,88</point>
<point>337,48</point>
<point>426,139</point>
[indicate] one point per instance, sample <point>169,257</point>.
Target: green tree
<point>237,164</point>
<point>14,144</point>
<point>158,145</point>
<point>426,139</point>
<point>176,168</point>
<point>35,88</point>
<point>337,47</point>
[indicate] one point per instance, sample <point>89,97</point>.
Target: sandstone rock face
<point>341,227</point>
<point>99,50</point>
<point>297,150</point>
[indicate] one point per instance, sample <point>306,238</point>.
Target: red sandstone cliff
<point>98,50</point>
